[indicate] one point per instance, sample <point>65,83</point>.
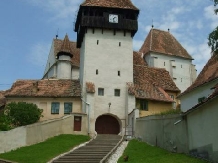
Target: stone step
<point>93,152</point>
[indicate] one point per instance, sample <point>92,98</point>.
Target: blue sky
<point>28,27</point>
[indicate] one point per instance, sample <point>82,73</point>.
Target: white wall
<point>181,70</point>
<point>64,67</point>
<point>38,132</point>
<point>202,129</point>
<point>191,99</point>
<point>108,58</point>
<point>51,59</point>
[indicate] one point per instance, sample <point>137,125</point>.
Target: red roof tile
<point>150,83</point>
<point>90,87</point>
<point>208,73</point>
<point>2,98</point>
<point>75,51</point>
<point>124,4</point>
<point>165,43</point>
<point>66,47</point>
<point>45,88</point>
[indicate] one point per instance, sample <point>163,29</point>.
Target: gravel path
<point>118,153</point>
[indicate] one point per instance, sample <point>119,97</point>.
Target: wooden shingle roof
<point>124,4</point>
<point>165,43</point>
<point>45,88</point>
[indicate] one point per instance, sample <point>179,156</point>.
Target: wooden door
<point>77,123</point>
<point>107,124</point>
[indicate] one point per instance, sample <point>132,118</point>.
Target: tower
<point>64,57</point>
<point>105,31</point>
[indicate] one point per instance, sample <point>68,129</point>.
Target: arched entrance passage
<point>107,124</point>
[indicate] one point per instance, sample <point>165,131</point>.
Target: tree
<point>22,113</point>
<point>213,36</point>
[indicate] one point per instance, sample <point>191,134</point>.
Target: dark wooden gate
<point>107,124</point>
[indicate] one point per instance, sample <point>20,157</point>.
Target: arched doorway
<point>107,124</point>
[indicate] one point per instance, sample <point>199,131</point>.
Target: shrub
<point>22,113</point>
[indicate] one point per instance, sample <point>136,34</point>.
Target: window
<point>55,106</point>
<point>67,107</point>
<point>97,42</point>
<point>201,99</point>
<point>181,66</point>
<point>101,91</point>
<point>144,105</point>
<point>164,64</point>
<point>118,73</point>
<point>119,43</point>
<point>97,72</point>
<point>172,97</point>
<point>117,92</point>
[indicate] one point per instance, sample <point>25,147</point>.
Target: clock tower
<point>105,31</point>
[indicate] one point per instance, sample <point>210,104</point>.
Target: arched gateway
<point>107,124</point>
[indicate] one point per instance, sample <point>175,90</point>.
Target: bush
<point>5,122</point>
<point>22,113</point>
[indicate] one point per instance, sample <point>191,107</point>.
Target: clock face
<point>113,18</point>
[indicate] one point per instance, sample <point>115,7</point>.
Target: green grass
<point>140,152</point>
<point>45,151</point>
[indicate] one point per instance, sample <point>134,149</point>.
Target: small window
<point>96,72</point>
<point>101,91</point>
<point>144,105</point>
<point>124,33</point>
<point>93,30</point>
<point>119,43</point>
<point>172,97</point>
<point>117,92</point>
<point>181,66</point>
<point>114,32</point>
<point>181,79</point>
<point>68,107</point>
<point>164,64</point>
<point>55,106</point>
<point>201,99</point>
<point>118,73</point>
<point>97,42</point>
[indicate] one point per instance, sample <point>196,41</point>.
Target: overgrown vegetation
<point>45,151</point>
<point>19,114</point>
<point>139,152</point>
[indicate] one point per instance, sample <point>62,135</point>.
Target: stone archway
<point>107,124</point>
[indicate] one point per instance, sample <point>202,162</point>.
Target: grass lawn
<point>45,151</point>
<point>140,152</point>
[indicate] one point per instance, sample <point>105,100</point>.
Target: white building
<point>202,87</point>
<point>161,49</point>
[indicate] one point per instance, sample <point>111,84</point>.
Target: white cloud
<point>61,10</point>
<point>38,54</point>
<point>210,15</point>
<point>200,53</point>
<point>137,44</point>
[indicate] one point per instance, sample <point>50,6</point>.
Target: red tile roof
<point>138,59</point>
<point>75,51</point>
<point>2,98</point>
<point>45,88</point>
<point>208,73</point>
<point>90,87</point>
<point>66,47</point>
<point>165,43</point>
<point>124,4</point>
<point>150,83</point>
